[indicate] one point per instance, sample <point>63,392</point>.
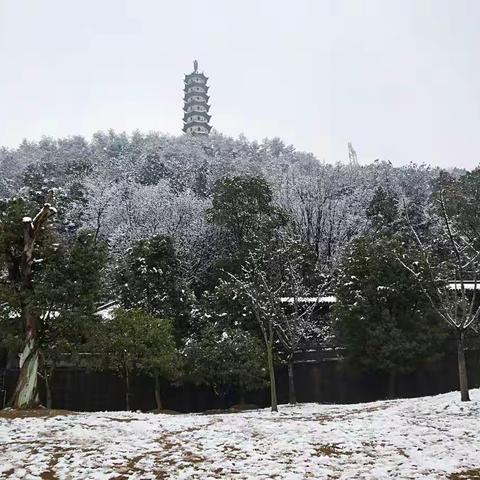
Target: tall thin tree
<point>26,395</point>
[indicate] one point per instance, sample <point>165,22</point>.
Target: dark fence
<point>318,378</point>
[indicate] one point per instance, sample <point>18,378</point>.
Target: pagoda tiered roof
<point>195,94</point>
<point>194,112</point>
<point>202,85</point>
<point>196,102</point>
<point>196,124</point>
<point>195,74</point>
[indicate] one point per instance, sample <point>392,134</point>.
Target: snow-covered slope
<point>430,437</point>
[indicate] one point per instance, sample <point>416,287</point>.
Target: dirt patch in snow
<point>165,411</point>
<point>466,475</point>
<point>123,420</point>
<point>329,450</point>
<point>241,407</point>
<point>11,413</point>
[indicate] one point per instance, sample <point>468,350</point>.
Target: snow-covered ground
<point>430,437</point>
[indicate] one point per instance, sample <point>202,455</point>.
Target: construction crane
<point>352,154</point>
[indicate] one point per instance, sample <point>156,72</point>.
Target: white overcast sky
<point>399,79</point>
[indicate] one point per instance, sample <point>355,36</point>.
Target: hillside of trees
<point>207,245</point>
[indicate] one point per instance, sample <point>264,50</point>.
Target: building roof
<point>324,299</point>
<point>196,124</point>
<point>195,74</point>
<point>467,285</point>
<point>201,85</point>
<point>193,113</point>
<point>196,102</point>
<point>196,94</point>
<point>106,310</point>
<point>330,299</point>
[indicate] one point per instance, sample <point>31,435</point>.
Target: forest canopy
<point>207,234</point>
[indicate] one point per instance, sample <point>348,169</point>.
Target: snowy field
<point>431,437</point>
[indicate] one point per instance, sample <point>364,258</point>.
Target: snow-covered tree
<point>446,262</point>
<point>272,283</point>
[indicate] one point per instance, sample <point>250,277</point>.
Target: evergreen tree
<point>150,278</point>
<point>243,207</point>
<point>72,282</point>
<point>384,321</point>
<point>226,359</point>
<point>462,202</point>
<point>134,342</point>
<point>246,216</point>
<point>382,211</point>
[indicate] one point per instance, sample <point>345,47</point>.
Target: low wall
<point>317,379</point>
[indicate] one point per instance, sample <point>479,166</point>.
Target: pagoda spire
<point>196,118</point>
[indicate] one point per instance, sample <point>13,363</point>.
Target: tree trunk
<point>292,397</point>
<point>242,397</point>
<point>158,398</point>
<point>127,390</point>
<point>26,391</point>
<point>462,367</point>
<point>271,373</point>
<point>392,377</point>
<point>48,389</point>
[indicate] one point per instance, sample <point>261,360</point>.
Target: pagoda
<point>196,118</point>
